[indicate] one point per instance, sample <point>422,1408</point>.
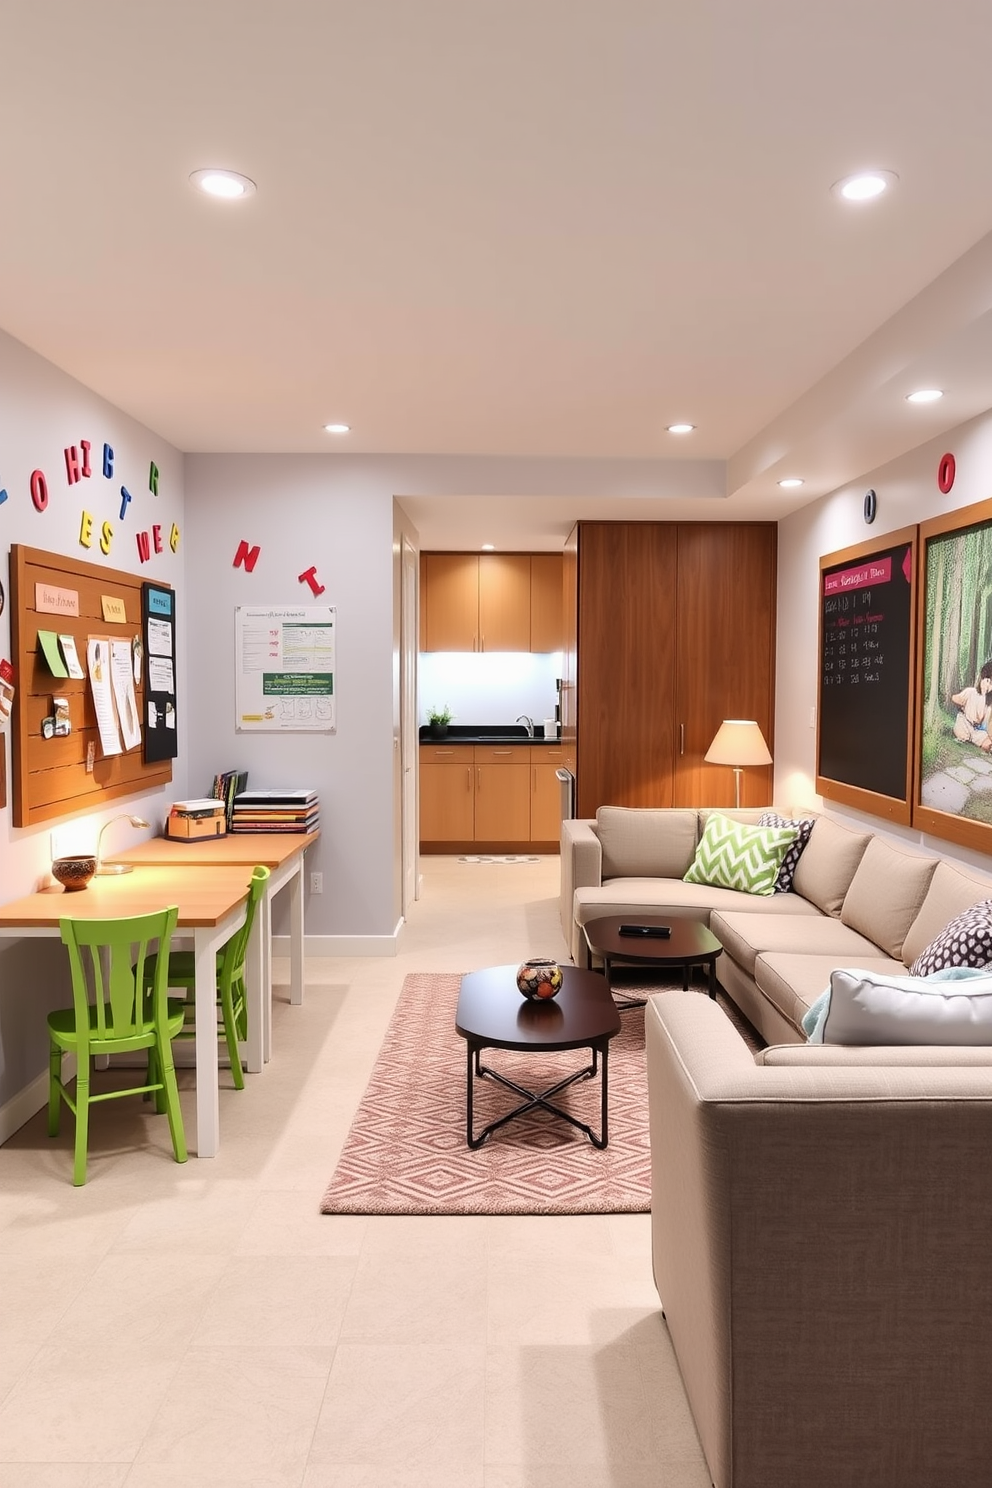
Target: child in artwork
<point>971,725</point>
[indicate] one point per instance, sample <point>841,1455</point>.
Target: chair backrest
<point>232,956</point>
<point>109,956</point>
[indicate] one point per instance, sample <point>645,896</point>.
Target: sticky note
<point>49,643</point>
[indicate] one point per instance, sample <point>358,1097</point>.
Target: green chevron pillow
<point>732,855</point>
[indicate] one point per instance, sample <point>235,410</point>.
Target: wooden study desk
<point>282,853</point>
<point>212,904</point>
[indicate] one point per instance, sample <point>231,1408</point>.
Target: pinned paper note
<point>68,644</point>
<point>49,643</point>
<point>98,664</point>
<point>123,679</point>
<point>113,609</point>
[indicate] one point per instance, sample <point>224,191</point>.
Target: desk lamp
<point>738,742</point>
<point>107,868</point>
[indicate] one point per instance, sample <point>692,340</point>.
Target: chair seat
<point>62,1027</point>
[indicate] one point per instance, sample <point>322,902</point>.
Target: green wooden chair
<point>232,998</point>
<point>128,1011</point>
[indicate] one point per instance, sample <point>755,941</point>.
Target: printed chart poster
<point>285,669</point>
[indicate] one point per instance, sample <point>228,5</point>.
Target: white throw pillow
<point>867,1007</point>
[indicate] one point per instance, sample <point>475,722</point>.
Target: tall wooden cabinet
<point>670,628</point>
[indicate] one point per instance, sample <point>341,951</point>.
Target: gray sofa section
<point>857,900</point>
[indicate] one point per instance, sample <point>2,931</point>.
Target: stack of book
<point>276,811</point>
<point>225,789</point>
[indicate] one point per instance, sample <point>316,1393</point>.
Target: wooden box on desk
<point>191,821</point>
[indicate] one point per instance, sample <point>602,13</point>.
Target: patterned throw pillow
<point>787,872</point>
<point>731,855</point>
<point>966,941</point>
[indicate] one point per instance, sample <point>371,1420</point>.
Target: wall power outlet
<point>316,883</point>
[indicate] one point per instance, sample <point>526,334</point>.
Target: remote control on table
<point>656,932</point>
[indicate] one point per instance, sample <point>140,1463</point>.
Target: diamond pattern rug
<point>406,1151</point>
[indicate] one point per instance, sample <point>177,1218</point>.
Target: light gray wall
<point>42,410</point>
<point>304,510</point>
<point>907,493</point>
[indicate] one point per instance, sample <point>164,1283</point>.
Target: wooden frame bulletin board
<point>866,653</point>
<point>50,775</point>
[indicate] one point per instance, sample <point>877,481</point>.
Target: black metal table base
<point>625,1002</point>
<point>533,1099</point>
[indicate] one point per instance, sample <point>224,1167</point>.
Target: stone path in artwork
<point>951,789</point>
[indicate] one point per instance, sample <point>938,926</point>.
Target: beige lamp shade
<point>738,742</point>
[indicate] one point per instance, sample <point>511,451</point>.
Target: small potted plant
<point>438,720</point>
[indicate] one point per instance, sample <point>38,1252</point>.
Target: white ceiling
<point>522,228</point>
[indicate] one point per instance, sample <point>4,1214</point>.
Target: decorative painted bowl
<point>539,978</point>
<point>73,873</point>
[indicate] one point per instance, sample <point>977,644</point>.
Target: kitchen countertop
<point>481,734</point>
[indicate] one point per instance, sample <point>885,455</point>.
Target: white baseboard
<point>343,945</point>
<point>33,1098</point>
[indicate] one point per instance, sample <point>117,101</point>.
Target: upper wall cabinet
<point>490,602</point>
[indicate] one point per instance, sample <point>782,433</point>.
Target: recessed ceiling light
<point>680,428</point>
<point>229,185</point>
<point>489,547</point>
<point>925,395</point>
<point>789,482</point>
<point>864,185</point>
<point>337,428</point>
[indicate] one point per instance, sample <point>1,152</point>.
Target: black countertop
<point>480,733</point>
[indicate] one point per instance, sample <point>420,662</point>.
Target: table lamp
<point>106,868</point>
<point>738,742</point>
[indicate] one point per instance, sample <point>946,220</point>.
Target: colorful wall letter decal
<point>86,530</point>
<point>309,576</point>
<point>174,537</point>
<point>39,490</point>
<point>247,556</point>
<point>153,478</point>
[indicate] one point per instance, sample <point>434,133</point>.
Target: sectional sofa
<point>820,1212</point>
<point>857,900</point>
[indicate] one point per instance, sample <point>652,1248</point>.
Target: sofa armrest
<point>581,866</point>
<point>818,1245</point>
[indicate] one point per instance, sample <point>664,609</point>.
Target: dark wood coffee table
<point>691,944</point>
<point>492,1014</point>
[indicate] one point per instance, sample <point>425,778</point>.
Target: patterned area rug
<point>406,1151</point>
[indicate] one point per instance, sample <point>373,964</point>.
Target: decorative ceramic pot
<point>539,978</point>
<point>73,873</point>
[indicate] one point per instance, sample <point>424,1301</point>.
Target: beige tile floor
<point>175,1326</point>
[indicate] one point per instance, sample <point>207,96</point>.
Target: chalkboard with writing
<point>865,712</point>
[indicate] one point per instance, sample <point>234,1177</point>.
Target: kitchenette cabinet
<point>491,798</point>
<point>491,602</point>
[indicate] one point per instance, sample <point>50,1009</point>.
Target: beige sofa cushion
<point>886,894</point>
<point>634,896</point>
<point>639,843</point>
<point>829,863</point>
<point>745,936</point>
<point>952,889</point>
<point>793,981</point>
<point>895,1055</point>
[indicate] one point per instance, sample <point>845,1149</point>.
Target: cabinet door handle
<point>468,778</point>
<point>502,751</point>
<point>482,642</point>
<point>681,738</point>
<point>439,752</point>
<point>478,783</point>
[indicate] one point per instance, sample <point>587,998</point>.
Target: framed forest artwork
<point>954,678</point>
<point>864,717</point>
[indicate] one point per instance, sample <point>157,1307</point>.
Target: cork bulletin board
<point>65,774</point>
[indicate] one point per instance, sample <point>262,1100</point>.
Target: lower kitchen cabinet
<point>447,795</point>
<point>545,795</point>
<point>491,798</point>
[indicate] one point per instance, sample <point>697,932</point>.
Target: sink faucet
<point>522,718</point>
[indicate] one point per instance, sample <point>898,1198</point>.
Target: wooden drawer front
<point>544,754</point>
<point>502,754</point>
<point>446,754</point>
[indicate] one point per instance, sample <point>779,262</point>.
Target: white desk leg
<point>266,917</point>
<point>296,935</point>
<point>207,1091</point>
